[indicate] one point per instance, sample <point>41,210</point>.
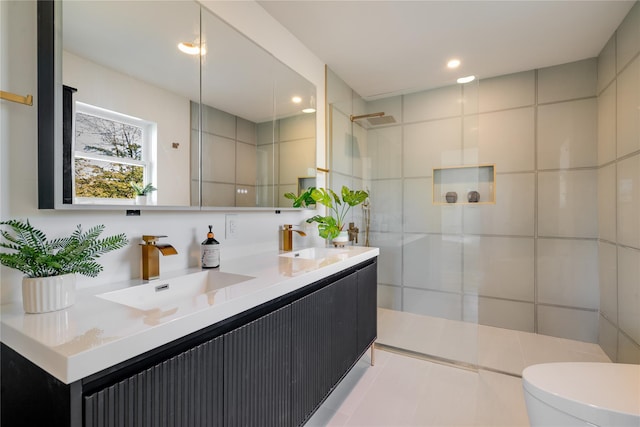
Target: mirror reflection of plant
<point>330,225</point>
<point>304,200</point>
<point>141,190</point>
<point>36,256</point>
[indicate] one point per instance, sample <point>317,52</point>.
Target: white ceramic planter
<point>341,240</point>
<point>141,200</point>
<point>44,294</point>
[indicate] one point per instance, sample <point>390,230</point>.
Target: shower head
<point>374,119</point>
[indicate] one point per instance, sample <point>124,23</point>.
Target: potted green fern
<point>50,266</point>
<point>331,226</point>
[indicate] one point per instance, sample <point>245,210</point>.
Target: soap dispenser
<point>210,251</point>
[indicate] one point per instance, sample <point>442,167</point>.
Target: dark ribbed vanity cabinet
<point>184,390</point>
<point>272,365</point>
<point>257,372</point>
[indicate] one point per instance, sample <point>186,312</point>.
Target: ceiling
<point>384,48</point>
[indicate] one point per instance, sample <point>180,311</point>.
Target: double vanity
<point>261,341</point>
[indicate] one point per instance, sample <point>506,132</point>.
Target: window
<point>111,150</point>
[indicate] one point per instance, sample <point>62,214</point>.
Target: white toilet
<point>582,394</point>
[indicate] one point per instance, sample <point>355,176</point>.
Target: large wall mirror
<point>166,94</point>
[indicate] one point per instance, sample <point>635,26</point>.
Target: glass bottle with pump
<point>210,251</point>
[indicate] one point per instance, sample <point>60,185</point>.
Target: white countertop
<point>95,333</point>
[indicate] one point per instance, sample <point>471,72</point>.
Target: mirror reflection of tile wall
<point>247,164</point>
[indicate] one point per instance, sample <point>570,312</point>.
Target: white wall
<point>18,180</point>
<point>619,191</point>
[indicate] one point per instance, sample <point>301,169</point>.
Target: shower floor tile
<point>489,347</point>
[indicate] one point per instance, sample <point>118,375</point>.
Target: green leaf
<point>35,256</point>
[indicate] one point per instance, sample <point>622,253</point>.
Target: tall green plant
<point>36,256</point>
<point>330,225</point>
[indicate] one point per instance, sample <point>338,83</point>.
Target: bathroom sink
<point>312,253</point>
<point>172,292</point>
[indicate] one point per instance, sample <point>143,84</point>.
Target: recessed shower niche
<point>464,185</point>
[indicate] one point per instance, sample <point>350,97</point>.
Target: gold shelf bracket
<point>26,100</point>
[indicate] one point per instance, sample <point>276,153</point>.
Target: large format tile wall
<point>530,261</point>
<point>225,137</point>
<point>619,191</point>
<point>527,262</point>
<point>288,144</point>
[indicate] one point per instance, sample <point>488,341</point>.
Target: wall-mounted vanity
<point>215,128</point>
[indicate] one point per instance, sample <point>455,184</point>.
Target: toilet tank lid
<point>608,386</point>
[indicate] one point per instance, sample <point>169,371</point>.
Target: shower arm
<point>365,116</point>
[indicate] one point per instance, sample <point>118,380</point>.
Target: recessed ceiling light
<point>190,48</point>
<point>296,100</point>
<point>453,63</point>
<point>466,79</point>
<point>309,110</point>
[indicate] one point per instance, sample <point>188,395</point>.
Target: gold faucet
<point>353,232</point>
<point>286,240</point>
<point>150,258</point>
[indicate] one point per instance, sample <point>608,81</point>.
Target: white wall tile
<point>362,159</point>
<point>499,267</point>
<point>216,153</point>
<point>433,104</point>
<point>298,127</point>
<point>607,203</point>
<point>568,81</point>
<point>628,351</point>
<point>629,292</point>
<point>218,122</point>
<point>390,259</point>
<point>433,303</point>
<point>500,313</point>
<point>268,157</point>
<point>246,131</point>
<point>246,196</point>
<point>384,148</point>
<point>509,91</point>
<point>608,338</point>
<point>471,97</point>
<point>567,203</point>
<point>628,100</point>
<point>389,106</point>
<point>422,216</point>
<point>268,133</point>
<point>386,205</point>
<point>607,125</point>
<point>433,262</point>
<point>567,272</point>
<point>628,37</point>
<point>214,194</point>
<point>629,201</point>
<point>607,64</point>
<point>567,134</point>
<point>431,145</point>
<point>607,274</point>
<point>246,164</point>
<point>568,323</point>
<point>390,297</point>
<point>506,138</point>
<point>512,214</point>
<point>341,144</point>
<point>296,158</point>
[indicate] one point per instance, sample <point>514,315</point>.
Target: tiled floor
<point>409,391</point>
